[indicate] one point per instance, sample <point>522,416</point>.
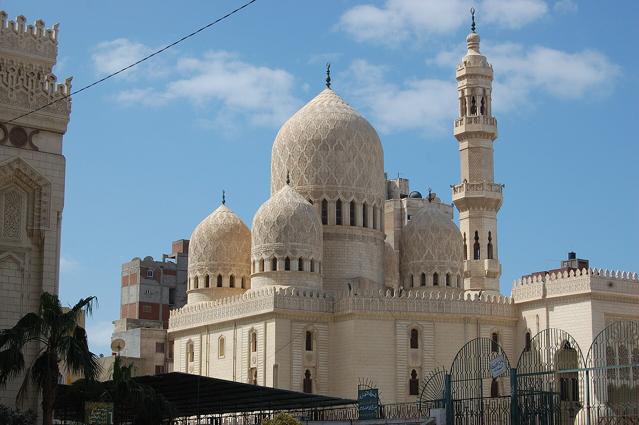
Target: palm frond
<point>11,364</point>
<point>74,350</point>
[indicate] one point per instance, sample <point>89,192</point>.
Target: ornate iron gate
<point>479,393</point>
<point>550,378</point>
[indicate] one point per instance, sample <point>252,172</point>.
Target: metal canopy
<point>193,395</point>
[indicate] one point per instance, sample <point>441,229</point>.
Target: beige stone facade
<point>32,171</point>
<point>354,277</point>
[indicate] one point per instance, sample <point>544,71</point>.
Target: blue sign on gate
<point>368,403</point>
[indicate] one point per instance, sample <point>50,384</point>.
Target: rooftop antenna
<point>223,197</point>
<point>472,15</point>
<point>430,195</point>
<point>328,75</point>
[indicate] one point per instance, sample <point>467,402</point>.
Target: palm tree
<point>56,335</point>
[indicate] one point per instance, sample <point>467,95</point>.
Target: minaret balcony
<point>476,124</point>
<point>478,194</point>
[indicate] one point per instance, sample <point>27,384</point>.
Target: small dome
<point>415,194</point>
<point>286,225</point>
<point>431,243</point>
<point>220,245</point>
<point>330,151</point>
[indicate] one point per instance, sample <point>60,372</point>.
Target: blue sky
<point>148,153</point>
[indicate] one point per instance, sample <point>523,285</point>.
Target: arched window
<point>287,264</point>
<point>465,248</point>
<point>463,106</point>
<point>253,341</point>
<point>207,281</point>
<point>324,211</point>
<point>473,106</point>
<point>413,383</point>
<point>309,341</point>
<point>494,342</point>
<point>494,388</point>
<point>300,264</point>
<point>253,376</point>
<point>482,108</point>
<point>374,217</point>
<point>274,264</point>
<point>410,281</point>
<point>242,283</point>
<point>261,264</point>
<point>219,280</point>
<point>312,266</point>
<point>423,280</point>
<point>195,283</point>
<point>220,347</point>
<point>527,342</point>
<point>338,212</point>
<point>352,214</point>
<point>414,338</point>
<point>489,252</point>
<point>365,215</point>
<point>447,279</point>
<point>435,279</point>
<point>231,281</point>
<point>190,352</point>
<point>476,249</point>
<point>458,281</point>
<point>308,382</point>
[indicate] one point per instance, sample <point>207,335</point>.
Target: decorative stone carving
<point>220,244</point>
<point>12,215</point>
<point>286,225</point>
<point>330,151</point>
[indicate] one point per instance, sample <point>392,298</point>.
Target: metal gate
<point>479,394</point>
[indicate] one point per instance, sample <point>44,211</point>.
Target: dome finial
<point>288,178</point>
<point>328,75</point>
<point>223,197</point>
<point>472,15</point>
<point>430,195</point>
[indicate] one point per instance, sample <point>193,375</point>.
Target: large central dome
<point>330,151</point>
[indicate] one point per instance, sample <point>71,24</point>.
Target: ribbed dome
<point>330,151</point>
<point>431,243</point>
<point>286,225</point>
<point>220,244</point>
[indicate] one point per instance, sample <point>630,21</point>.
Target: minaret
<point>478,198</point>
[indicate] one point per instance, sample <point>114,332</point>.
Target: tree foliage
<point>282,419</point>
<point>57,338</point>
<point>9,416</point>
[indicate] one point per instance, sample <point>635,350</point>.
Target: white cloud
<point>111,56</point>
<point>522,77</point>
<point>565,6</point>
<point>262,94</point>
<point>427,104</point>
<point>397,20</point>
<point>68,264</point>
<point>99,336</point>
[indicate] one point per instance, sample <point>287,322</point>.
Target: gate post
<point>514,400</point>
<point>448,399</point>
<point>587,404</point>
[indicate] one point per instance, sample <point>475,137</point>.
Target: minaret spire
<point>328,75</point>
<point>472,15</point>
<point>223,197</point>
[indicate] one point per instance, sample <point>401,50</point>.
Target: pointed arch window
<point>312,266</point>
<point>324,211</point>
<point>465,248</point>
<point>190,352</point>
<point>287,264</point>
<point>220,347</point>
<point>195,286</point>
<point>494,342</point>
<point>365,215</point>
<point>489,252</point>
<point>219,280</point>
<point>414,338</point>
<point>207,281</point>
<point>261,264</point>
<point>435,279</point>
<point>253,376</point>
<point>412,284</point>
<point>242,283</point>
<point>527,342</point>
<point>375,212</point>
<point>476,247</point>
<point>231,281</point>
<point>274,264</point>
<point>300,264</point>
<point>253,341</point>
<point>482,106</point>
<point>413,383</point>
<point>309,341</point>
<point>494,388</point>
<point>447,279</point>
<point>352,214</point>
<point>308,382</point>
<point>458,281</point>
<point>422,281</point>
<point>338,212</point>
<point>473,106</point>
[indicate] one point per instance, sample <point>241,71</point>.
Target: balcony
<point>486,193</point>
<point>476,124</point>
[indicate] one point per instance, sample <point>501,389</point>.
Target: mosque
<point>346,276</point>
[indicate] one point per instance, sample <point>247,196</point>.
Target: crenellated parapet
<point>573,282</point>
<point>27,56</point>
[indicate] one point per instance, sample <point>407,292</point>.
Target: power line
<point>157,52</point>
